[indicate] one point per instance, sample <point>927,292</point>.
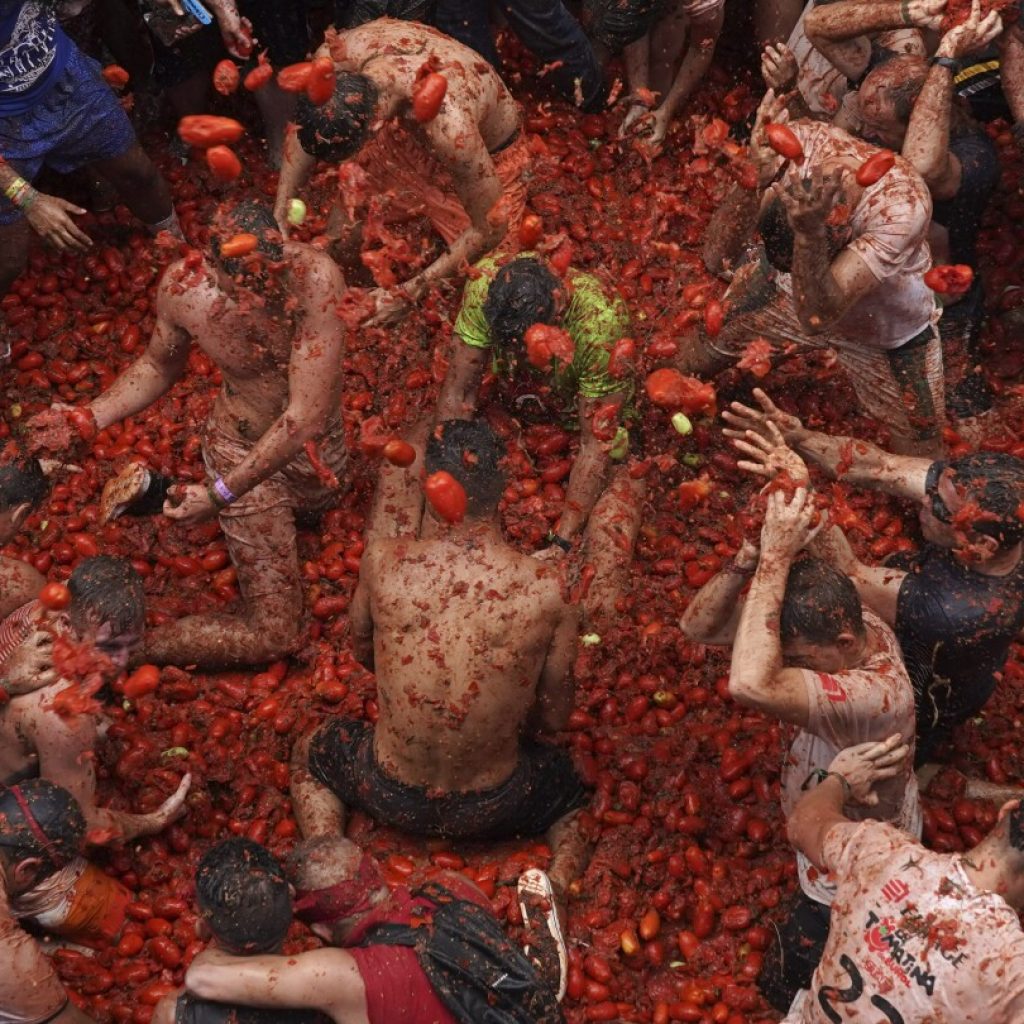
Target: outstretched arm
<point>323,979</point>
<point>458,397</point>
<point>397,507</point>
<point>714,613</point>
<point>296,167</point>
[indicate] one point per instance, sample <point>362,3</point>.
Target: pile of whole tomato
<point>672,918</point>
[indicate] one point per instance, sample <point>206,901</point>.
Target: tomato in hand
<point>55,597</point>
<point>446,495</point>
<point>875,167</point>
<point>226,77</point>
<point>84,422</point>
<point>784,142</point>
<point>205,130</point>
<point>427,96</point>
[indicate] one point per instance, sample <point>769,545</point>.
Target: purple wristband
<point>224,491</point>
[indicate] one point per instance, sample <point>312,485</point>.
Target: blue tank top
<point>33,53</point>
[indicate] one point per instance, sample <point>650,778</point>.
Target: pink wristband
<point>224,491</point>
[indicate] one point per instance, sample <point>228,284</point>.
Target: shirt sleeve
<point>839,840</point>
<point>899,216</point>
<point>831,700</point>
<point>471,324</point>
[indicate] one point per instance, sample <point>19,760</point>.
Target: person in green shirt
<point>503,298</point>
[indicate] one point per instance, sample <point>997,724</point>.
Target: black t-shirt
<point>190,1010</point>
<point>961,215</point>
<point>955,627</point>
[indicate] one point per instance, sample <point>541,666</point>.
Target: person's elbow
<point>745,689</point>
<point>797,830</point>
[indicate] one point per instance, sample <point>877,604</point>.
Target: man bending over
<point>268,320</point>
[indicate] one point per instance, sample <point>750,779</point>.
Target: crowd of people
<point>847,237</point>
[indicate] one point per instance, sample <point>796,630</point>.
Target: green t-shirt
<point>592,319</point>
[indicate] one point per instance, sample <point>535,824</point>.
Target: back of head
<point>900,78</point>
<point>243,896</point>
<point>41,819</point>
<point>820,604</point>
<point>246,216</point>
<point>105,589</point>
<point>471,452</point>
<point>22,483</point>
<point>323,861</point>
<point>522,294</point>
<point>993,482</point>
<point>339,128</point>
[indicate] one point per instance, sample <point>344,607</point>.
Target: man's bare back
<point>476,94</point>
<point>461,635</point>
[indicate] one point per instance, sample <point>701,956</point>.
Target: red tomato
<point>55,596</point>
<point>295,77</point>
<point>875,167</point>
<point>239,245</point>
<point>446,495</point>
<point>692,492</point>
<point>622,361</point>
<point>84,422</point>
<point>427,96</point>
<point>142,682</point>
<point>400,453</point>
<point>260,75</point>
<point>545,343</point>
<point>531,229</point>
<point>115,76</point>
<point>714,316</point>
<point>226,77</point>
<point>320,84</point>
<point>223,162</point>
<point>669,389</point>
<point>950,280</point>
<point>784,142</point>
<point>204,130</point>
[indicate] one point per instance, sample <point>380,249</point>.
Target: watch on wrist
<point>560,542</point>
<point>951,65</point>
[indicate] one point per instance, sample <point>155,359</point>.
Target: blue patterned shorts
<point>80,121</point>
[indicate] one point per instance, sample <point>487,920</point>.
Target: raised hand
<point>768,455</point>
<point>789,526</point>
<point>866,764</point>
<point>744,417</point>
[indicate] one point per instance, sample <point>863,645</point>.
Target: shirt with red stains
<point>912,939</point>
<point>871,702</point>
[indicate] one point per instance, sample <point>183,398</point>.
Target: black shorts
<point>543,788</point>
<point>795,953</point>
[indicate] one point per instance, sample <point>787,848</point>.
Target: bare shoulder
<point>19,584</point>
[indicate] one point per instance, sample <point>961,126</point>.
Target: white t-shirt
<point>890,234</point>
<point>868,703</point>
<point>912,941</point>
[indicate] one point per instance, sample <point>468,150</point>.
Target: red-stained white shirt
<point>871,702</point>
<point>912,940</point>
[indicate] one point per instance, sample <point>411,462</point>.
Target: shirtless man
<point>463,169</point>
<point>472,644</point>
<point>269,321</point>
<point>806,652</point>
<point>22,489</point>
<point>915,935</point>
<point>41,831</point>
<point>855,287</point>
<point>107,615</point>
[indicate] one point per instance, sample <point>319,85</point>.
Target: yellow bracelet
<point>14,188</point>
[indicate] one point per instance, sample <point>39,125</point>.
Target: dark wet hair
<point>250,217</point>
<point>339,128</point>
<point>360,12</point>
<point>902,75</point>
<point>22,483</point>
<point>522,294</point>
<point>243,896</point>
<point>107,589</point>
<point>53,829</point>
<point>778,238</point>
<point>472,452</point>
<point>995,482</point>
<point>1016,827</point>
<point>820,604</point>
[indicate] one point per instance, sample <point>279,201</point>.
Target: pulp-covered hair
<point>246,216</point>
<point>108,589</point>
<point>522,294</point>
<point>820,603</point>
<point>243,896</point>
<point>994,481</point>
<point>22,483</point>
<point>41,819</point>
<point>902,75</point>
<point>472,452</point>
<point>339,128</point>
